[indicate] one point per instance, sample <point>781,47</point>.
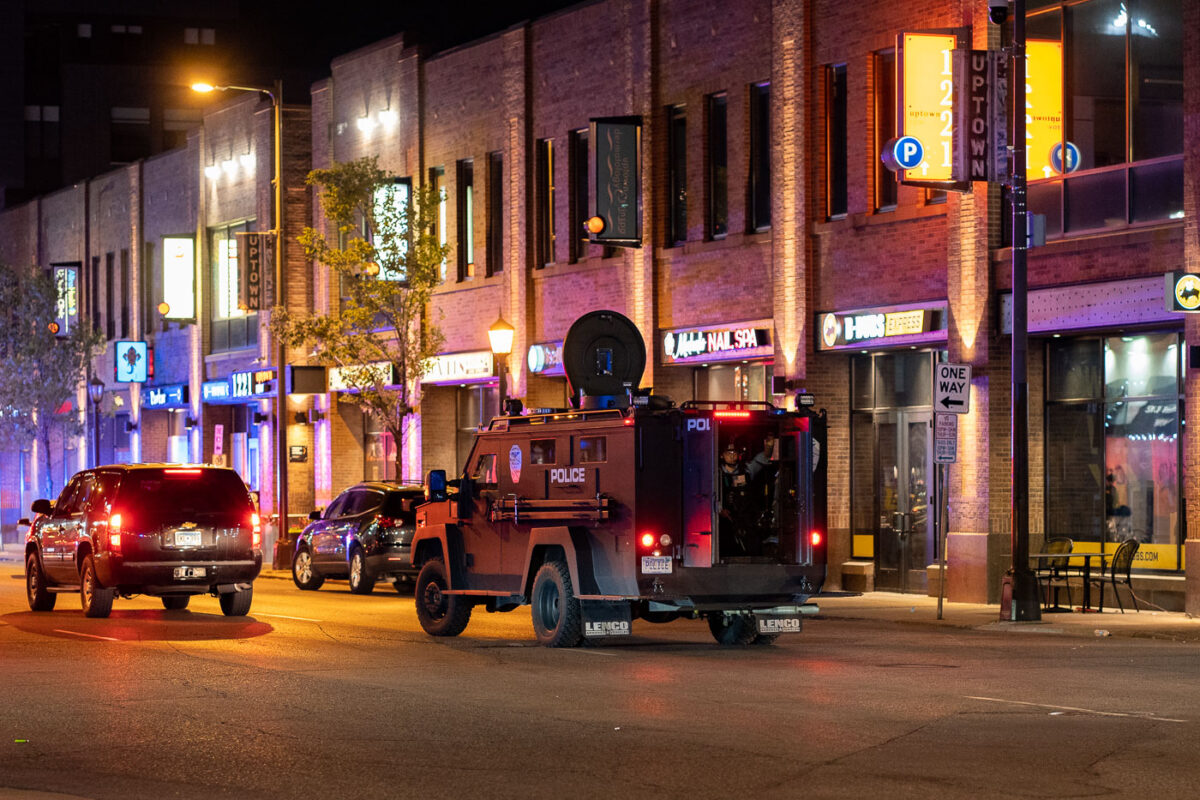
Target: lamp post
<point>281,477</point>
<point>95,390</point>
<point>501,337</point>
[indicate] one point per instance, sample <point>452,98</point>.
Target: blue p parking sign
<point>908,152</point>
<point>1056,159</point>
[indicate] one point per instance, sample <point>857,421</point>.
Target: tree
<point>44,367</point>
<point>387,260</point>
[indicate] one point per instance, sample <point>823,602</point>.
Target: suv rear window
<point>402,507</point>
<point>160,493</point>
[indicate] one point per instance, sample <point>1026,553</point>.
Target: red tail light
<point>732,414</point>
<point>255,530</point>
<point>182,471</point>
<point>648,540</point>
<point>114,531</point>
<point>815,537</point>
<point>385,522</point>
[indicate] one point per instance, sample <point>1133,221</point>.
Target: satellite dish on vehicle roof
<point>604,357</point>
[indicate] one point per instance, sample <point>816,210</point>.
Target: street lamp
<point>281,480</point>
<point>95,389</point>
<point>501,337</point>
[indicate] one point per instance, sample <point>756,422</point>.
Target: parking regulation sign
<point>952,388</point>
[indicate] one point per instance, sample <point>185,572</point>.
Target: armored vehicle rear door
<point>699,505</point>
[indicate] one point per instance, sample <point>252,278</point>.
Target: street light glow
<point>203,88</point>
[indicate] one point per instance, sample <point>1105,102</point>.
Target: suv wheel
<point>304,575</point>
<point>440,614</point>
<point>557,618</point>
<point>236,604</point>
<point>732,629</point>
<point>360,581</point>
<point>95,599</point>
<point>40,599</point>
<point>175,602</point>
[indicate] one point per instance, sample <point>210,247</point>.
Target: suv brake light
<point>385,522</point>
<point>114,531</point>
<point>815,537</point>
<point>256,530</point>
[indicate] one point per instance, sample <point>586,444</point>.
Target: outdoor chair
<point>1118,572</point>
<point>1055,571</point>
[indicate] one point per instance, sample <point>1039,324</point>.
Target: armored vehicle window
<point>541,451</point>
<point>593,449</point>
<point>485,469</point>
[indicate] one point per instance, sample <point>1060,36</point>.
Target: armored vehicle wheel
<point>440,614</point>
<point>35,586</point>
<point>731,629</point>
<point>236,604</point>
<point>175,602</point>
<point>557,617</point>
<point>95,599</point>
<point>303,574</point>
<point>360,581</point>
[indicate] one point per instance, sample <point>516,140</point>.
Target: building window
<point>544,192</point>
<point>93,285</point>
<point>887,183</point>
<point>1109,78</point>
<point>579,193</point>
<point>1112,425</point>
<point>231,327</point>
<point>130,134</point>
<point>110,296</point>
<point>126,327</point>
<point>718,168</point>
<point>495,213</point>
<point>437,176</point>
<point>466,219</point>
<point>760,157</point>
<point>835,141</point>
<point>676,175</point>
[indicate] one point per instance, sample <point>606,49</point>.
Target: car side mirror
<point>435,486</point>
<point>23,521</point>
<point>41,506</point>
<point>314,515</point>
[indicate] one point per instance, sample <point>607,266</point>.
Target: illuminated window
<point>231,328</point>
<point>544,196</point>
<point>390,234</point>
<point>437,176</point>
<point>465,191</point>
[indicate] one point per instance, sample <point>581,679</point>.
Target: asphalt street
<point>328,694</point>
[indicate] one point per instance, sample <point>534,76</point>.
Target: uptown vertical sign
<point>256,254</point>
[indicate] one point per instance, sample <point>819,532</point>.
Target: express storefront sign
<point>896,325</point>
<point>736,342</point>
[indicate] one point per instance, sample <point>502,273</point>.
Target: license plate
<point>656,565</point>
<point>187,538</point>
<point>771,625</point>
<point>189,572</point>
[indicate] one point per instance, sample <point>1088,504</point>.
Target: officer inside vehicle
<point>735,490</point>
<point>762,472</point>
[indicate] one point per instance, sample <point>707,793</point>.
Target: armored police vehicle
<point>626,508</point>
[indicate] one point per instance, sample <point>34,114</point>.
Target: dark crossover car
<point>166,530</point>
<point>364,535</point>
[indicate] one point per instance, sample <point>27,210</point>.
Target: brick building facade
<point>764,207</point>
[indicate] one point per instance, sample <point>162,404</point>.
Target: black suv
<point>165,530</point>
<point>365,534</point>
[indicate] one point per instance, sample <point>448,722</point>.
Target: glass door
<point>905,533</point>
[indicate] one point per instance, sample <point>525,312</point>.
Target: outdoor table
<point>1086,573</point>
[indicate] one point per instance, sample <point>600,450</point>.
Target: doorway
<point>891,467</point>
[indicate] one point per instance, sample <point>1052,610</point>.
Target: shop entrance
<point>891,466</point>
<point>905,530</point>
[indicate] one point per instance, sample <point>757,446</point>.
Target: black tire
<point>304,574</point>
<point>40,599</point>
<point>175,602</point>
<point>236,604</point>
<point>93,597</point>
<point>361,581</point>
<point>557,616</point>
<point>765,639</point>
<point>732,629</point>
<point>440,614</point>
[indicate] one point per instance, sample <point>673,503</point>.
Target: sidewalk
<point>921,610</point>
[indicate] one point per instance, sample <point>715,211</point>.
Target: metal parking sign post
<point>951,397</point>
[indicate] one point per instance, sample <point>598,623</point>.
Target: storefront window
<point>733,382</point>
<point>476,407</point>
<point>1112,455</point>
<point>232,327</point>
<point>379,451</point>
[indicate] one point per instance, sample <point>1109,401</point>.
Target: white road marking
<point>590,652</point>
<point>88,635</point>
<point>1147,715</point>
<point>285,616</point>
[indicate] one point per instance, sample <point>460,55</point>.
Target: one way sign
<point>952,388</point>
